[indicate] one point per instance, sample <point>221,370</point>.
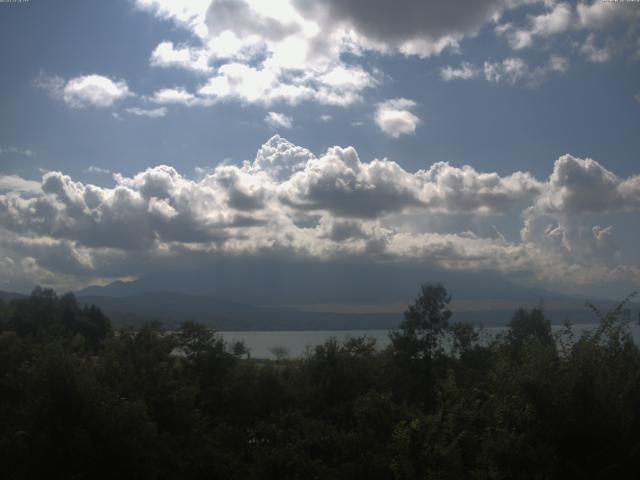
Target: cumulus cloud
<point>292,51</point>
<point>298,50</point>
<point>14,183</point>
<point>573,242</point>
<point>338,85</point>
<point>94,90</point>
<point>278,120</point>
<point>557,19</point>
<point>189,14</point>
<point>394,117</point>
<point>265,54</point>
<point>280,158</point>
<point>282,183</point>
<point>566,18</point>
<point>598,15</point>
<point>86,90</point>
<point>579,186</point>
<point>291,201</point>
<point>558,220</point>
<point>168,96</point>
<point>412,27</point>
<point>340,183</point>
<point>167,55</point>
<point>449,189</point>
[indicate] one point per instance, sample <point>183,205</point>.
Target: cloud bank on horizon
<point>292,203</point>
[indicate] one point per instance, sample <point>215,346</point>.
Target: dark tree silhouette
<point>424,325</point>
<point>78,400</point>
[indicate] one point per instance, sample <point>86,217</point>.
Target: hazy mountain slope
<point>8,296</point>
<point>268,295</point>
<point>271,282</point>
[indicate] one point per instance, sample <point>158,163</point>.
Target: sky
<point>497,136</point>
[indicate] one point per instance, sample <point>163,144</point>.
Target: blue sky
<point>97,95</point>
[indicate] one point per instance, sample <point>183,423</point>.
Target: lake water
<point>297,343</point>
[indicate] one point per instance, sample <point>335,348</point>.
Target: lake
<point>297,342</point>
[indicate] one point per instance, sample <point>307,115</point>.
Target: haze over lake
<point>297,343</point>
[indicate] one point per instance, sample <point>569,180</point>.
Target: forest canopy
<point>80,399</point>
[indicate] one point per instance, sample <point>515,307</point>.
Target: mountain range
<point>271,295</point>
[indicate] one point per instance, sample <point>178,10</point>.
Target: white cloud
<point>280,158</point>
<point>598,14</point>
<point>190,14</point>
<point>168,96</point>
<point>515,70</point>
<point>596,54</point>
<point>395,118</point>
<point>579,186</point>
<point>558,220</point>
<point>151,113</point>
<point>93,91</point>
<point>278,120</point>
<point>85,91</point>
<point>324,207</point>
<point>337,85</point>
<point>295,50</point>
<point>510,69</point>
<point>557,19</point>
<point>167,55</point>
<point>24,152</point>
<point>452,190</point>
<point>565,18</point>
<point>246,83</point>
<point>465,71</point>
<point>98,170</point>
<point>14,183</point>
<point>265,55</point>
<point>338,182</point>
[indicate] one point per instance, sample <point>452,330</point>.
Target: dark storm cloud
<point>405,20</point>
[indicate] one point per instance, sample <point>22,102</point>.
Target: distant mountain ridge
<point>267,282</point>
<point>8,296</point>
<point>266,295</point>
<point>278,295</point>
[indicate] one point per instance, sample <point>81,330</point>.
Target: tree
<point>464,337</point>
<point>239,349</point>
<point>526,325</point>
<point>416,347</point>
<point>425,324</point>
<point>280,352</point>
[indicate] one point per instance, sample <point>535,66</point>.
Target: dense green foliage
<point>79,400</point>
